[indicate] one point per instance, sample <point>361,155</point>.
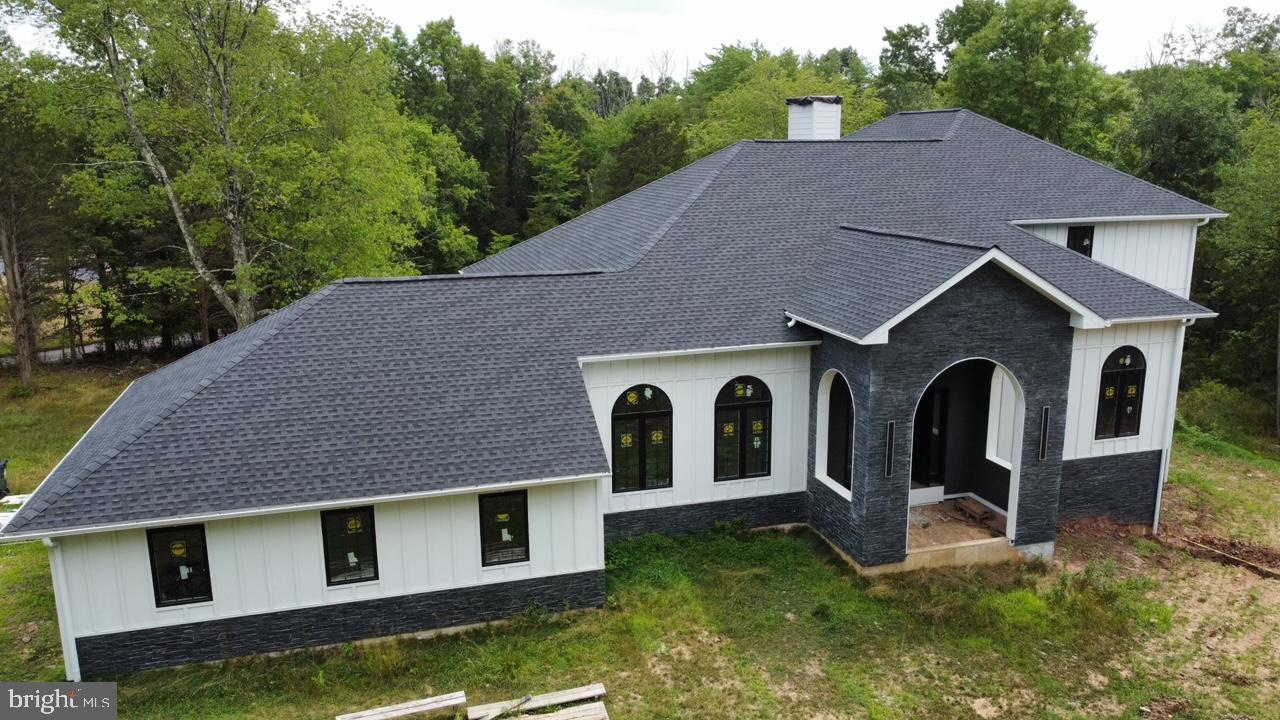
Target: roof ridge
<point>1091,160</point>
<point>463,276</point>
<point>298,309</point>
<point>730,153</point>
<point>914,236</point>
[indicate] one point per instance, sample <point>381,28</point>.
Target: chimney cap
<point>811,99</point>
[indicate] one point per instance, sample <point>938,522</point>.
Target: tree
<point>613,92</point>
<point>279,149</point>
<point>908,73</point>
<point>956,25</point>
<point>1182,129</point>
<point>756,106</point>
<point>648,141</point>
<point>556,179</point>
<point>32,159</point>
<point>1247,247</point>
<point>841,63</point>
<point>1029,67</point>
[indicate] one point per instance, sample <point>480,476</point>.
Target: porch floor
<point>932,526</point>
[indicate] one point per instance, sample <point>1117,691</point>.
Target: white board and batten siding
<point>692,383</point>
<point>1090,348</point>
<point>1159,251</point>
<point>271,563</point>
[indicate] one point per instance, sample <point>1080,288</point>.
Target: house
<point>837,332</point>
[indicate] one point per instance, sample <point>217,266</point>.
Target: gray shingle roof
<point>373,388</point>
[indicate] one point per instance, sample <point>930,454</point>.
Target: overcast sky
<point>633,35</point>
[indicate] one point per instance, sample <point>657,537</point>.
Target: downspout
<point>1170,422</point>
<point>61,601</point>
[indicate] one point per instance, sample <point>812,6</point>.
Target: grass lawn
<point>37,430</point>
<point>773,625</point>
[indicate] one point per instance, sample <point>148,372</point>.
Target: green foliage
<point>1029,68</point>
<point>1183,128</point>
<point>1225,412</point>
<point>756,106</point>
<point>908,73</point>
<point>555,175</point>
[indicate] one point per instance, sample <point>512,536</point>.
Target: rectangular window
<point>1080,239</point>
<point>626,453</point>
<point>504,528</point>
<point>350,549</point>
<point>1044,432</point>
<point>889,429</point>
<point>179,565</point>
<point>755,441</point>
<point>727,444</point>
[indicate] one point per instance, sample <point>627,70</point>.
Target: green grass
<point>1229,490</point>
<point>29,645</point>
<point>37,430</point>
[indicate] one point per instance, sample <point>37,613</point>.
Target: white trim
<point>1167,452</point>
<point>1118,218</point>
<point>821,413</point>
<point>66,631</point>
<point>1019,437</point>
<point>1164,318</point>
<point>835,487</point>
<point>919,497</point>
<point>695,351</point>
<point>300,507</point>
<point>824,328</point>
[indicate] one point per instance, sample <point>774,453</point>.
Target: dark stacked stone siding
<point>839,520</point>
<point>759,511</point>
<point>1119,487</point>
<point>993,315</point>
<point>104,655</point>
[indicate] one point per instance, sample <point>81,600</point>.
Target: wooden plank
<point>590,711</point>
<point>413,707</point>
<point>537,702</point>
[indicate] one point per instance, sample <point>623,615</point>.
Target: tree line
<point>178,169</point>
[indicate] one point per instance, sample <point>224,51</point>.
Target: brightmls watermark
<point>72,701</point>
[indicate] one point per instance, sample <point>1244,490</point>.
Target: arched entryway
<point>967,440</point>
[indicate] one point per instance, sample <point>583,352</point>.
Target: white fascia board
<point>583,360</point>
<point>825,329</point>
<point>298,507</point>
<point>1117,218</point>
<point>1164,318</point>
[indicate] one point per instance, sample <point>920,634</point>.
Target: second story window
<point>641,439</point>
<point>1080,239</point>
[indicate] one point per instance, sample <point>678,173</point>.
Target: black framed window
<point>641,439</point>
<point>1120,394</point>
<point>1080,239</point>
<point>744,429</point>
<point>350,548</point>
<point>504,528</point>
<point>840,432</point>
<point>179,565</point>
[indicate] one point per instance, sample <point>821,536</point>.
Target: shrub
<point>1225,412</point>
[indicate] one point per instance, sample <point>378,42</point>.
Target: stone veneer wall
<point>104,655</point>
<point>1119,487</point>
<point>760,511</point>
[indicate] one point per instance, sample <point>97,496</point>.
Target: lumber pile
<point>572,704</point>
<point>425,706</point>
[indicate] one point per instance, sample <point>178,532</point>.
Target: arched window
<point>835,430</point>
<point>1120,394</point>
<point>641,439</point>
<point>744,427</point>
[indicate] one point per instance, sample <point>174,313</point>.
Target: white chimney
<point>814,117</point>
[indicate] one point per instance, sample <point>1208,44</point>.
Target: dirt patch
<point>1164,709</point>
<point>1258,559</point>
